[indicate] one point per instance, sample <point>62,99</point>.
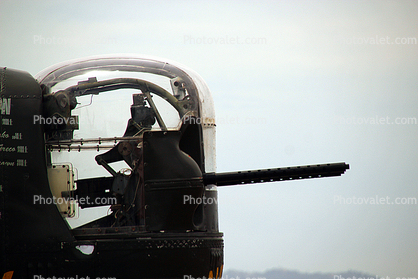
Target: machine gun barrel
<point>277,174</point>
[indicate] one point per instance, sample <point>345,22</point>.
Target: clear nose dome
<point>112,97</point>
<point>105,102</point>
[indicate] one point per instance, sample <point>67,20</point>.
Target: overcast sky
<point>294,83</point>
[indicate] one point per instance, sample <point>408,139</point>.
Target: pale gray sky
<point>294,82</point>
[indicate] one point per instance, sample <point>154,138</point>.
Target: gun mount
<point>103,187</point>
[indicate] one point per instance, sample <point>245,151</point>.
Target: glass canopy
<point>115,98</point>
